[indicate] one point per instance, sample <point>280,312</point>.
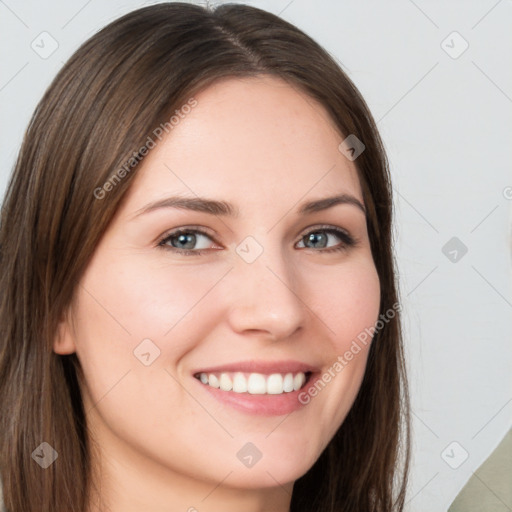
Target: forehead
<point>248,141</point>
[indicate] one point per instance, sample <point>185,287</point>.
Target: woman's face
<point>267,287</point>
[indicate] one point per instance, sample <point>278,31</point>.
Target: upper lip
<point>264,367</point>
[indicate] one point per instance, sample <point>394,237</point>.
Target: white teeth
<point>255,383</point>
<point>288,382</point>
<point>239,383</point>
<point>213,381</point>
<point>225,382</point>
<point>298,381</point>
<point>275,384</point>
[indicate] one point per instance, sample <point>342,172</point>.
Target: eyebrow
<point>223,208</point>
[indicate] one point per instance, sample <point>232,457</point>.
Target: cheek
<point>349,309</point>
<point>123,303</point>
<point>131,300</point>
<point>347,299</point>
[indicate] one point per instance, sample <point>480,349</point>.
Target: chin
<point>271,471</point>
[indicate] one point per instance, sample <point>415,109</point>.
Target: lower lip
<point>262,405</point>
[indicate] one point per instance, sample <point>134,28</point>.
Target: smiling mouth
<point>255,383</point>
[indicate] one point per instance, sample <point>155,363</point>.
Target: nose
<point>265,297</point>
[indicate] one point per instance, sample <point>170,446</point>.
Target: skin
<point>164,443</point>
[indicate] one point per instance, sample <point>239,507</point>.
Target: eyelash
<point>347,240</point>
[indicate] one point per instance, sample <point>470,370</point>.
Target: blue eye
<point>320,238</point>
<point>184,240</point>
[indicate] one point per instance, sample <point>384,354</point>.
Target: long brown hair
<point>101,107</point>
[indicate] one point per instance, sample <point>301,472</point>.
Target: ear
<point>64,342</point>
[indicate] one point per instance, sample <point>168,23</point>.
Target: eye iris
<point>182,239</point>
<point>315,237</point>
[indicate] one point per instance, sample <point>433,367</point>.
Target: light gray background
<point>447,126</point>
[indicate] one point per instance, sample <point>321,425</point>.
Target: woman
<point>199,308</point>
